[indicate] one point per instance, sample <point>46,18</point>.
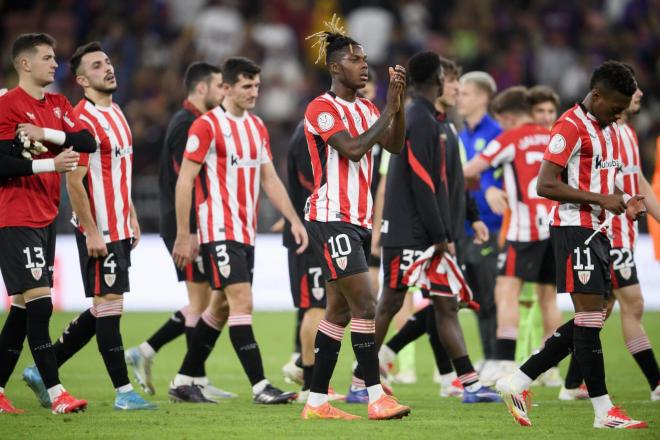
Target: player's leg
<point>406,359</point>
<point>551,320</point>
<point>308,328</point>
<point>292,370</point>
<point>631,302</point>
<point>12,337</point>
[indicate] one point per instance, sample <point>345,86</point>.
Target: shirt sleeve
<point>199,140</point>
<point>498,151</point>
<point>7,121</point>
<point>266,155</point>
<point>324,119</point>
<point>71,122</point>
<point>564,141</point>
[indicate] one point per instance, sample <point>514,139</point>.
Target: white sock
<point>447,379</point>
<point>386,354</point>
<point>602,404</point>
<point>203,381</point>
<point>182,379</point>
<point>375,392</point>
<point>474,387</point>
<point>259,386</point>
<point>147,350</point>
<point>54,392</point>
<point>125,388</point>
<point>520,380</point>
<point>2,390</point>
<point>316,399</point>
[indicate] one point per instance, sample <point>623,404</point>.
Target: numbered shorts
<point>623,270</point>
<point>532,261</point>
<point>227,262</point>
<point>581,268</point>
<point>107,274</point>
<point>396,261</point>
<point>27,257</point>
<point>306,278</point>
<point>193,271</point>
<point>341,247</point>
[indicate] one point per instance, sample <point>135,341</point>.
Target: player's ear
<point>82,81</point>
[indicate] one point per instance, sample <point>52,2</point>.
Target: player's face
<point>353,68</point>
<point>450,91</point>
<point>506,120</point>
<point>97,69</point>
<point>471,99</point>
<point>42,65</point>
<point>544,114</point>
<point>369,90</point>
<point>608,105</point>
<point>636,102</point>
<point>245,92</point>
<point>215,93</point>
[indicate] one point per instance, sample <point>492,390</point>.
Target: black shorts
<point>27,257</point>
<point>396,261</point>
<point>107,274</point>
<point>623,270</point>
<point>342,247</point>
<point>532,261</point>
<point>227,262</point>
<point>306,279</point>
<point>581,268</point>
<point>193,271</point>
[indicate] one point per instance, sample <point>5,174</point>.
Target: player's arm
<point>481,233</point>
<point>276,193</point>
<point>379,203</point>
<point>177,145</point>
<point>81,140</point>
<point>393,138</point>
<point>183,245</point>
<point>650,200</point>
<point>80,203</point>
<point>475,167</point>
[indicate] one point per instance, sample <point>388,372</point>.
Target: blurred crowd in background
<point>152,41</point>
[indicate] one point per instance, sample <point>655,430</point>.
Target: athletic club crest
<point>36,273</point>
<point>58,112</point>
<point>626,272</point>
<point>110,279</point>
<point>225,270</point>
<point>584,276</point>
<point>341,262</point>
<point>318,293</point>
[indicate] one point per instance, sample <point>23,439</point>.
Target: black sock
<point>300,314</point>
<point>111,347</point>
<point>414,327</point>
<point>555,349</point>
<point>308,370</point>
<point>363,340</point>
<point>649,366</point>
<point>505,349</point>
<point>202,340</point>
<point>37,323</point>
<point>326,349</point>
<point>189,332</point>
<point>589,354</point>
<point>11,342</point>
<point>573,375</point>
<point>75,336</point>
<point>441,356</point>
<point>246,347</point>
<point>172,329</point>
<point>465,371</point>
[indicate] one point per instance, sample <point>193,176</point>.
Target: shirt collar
<point>191,108</point>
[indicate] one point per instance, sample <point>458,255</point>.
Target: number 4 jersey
<point>520,152</point>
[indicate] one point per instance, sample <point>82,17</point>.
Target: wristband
<point>626,198</point>
<point>56,137</point>
<point>43,166</point>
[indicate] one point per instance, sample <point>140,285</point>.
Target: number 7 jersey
<point>520,151</point>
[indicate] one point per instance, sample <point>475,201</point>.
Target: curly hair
<point>614,75</point>
<point>331,40</point>
<point>422,67</point>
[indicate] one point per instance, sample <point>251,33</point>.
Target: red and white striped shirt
<point>520,151</point>
<point>590,155</point>
<point>623,232</point>
<point>108,180</point>
<point>231,150</point>
<point>341,186</point>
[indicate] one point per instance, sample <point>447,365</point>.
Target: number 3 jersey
<point>520,152</point>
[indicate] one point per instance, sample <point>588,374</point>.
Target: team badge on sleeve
<point>193,144</point>
<point>325,121</point>
<point>557,144</point>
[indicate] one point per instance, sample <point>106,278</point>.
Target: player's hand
<point>135,226</point>
<point>395,88</point>
<point>96,247</point>
<point>66,161</point>
<point>613,203</point>
<point>375,250</point>
<point>278,226</point>
<point>182,251</point>
<point>31,131</point>
<point>300,236</point>
<point>481,234</point>
<point>441,248</point>
<point>497,200</point>
<point>636,207</point>
<point>194,244</point>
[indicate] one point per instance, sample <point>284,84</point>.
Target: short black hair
<point>423,67</point>
<point>337,43</point>
<point>233,67</point>
<point>198,72</point>
<point>76,58</point>
<point>450,67</point>
<point>614,75</point>
<point>512,100</point>
<point>29,43</point>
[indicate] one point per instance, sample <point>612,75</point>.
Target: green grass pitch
<point>432,416</point>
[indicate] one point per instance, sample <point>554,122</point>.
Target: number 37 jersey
<point>520,152</point>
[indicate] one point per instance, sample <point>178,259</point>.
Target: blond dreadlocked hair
<point>333,38</point>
